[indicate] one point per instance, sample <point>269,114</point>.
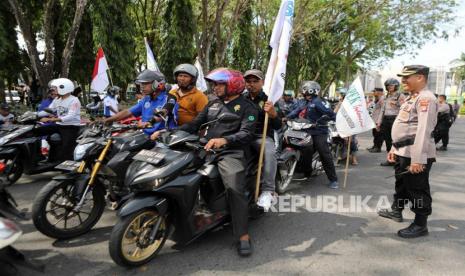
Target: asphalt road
<point>324,242</point>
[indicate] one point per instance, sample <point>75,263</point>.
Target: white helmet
<point>64,86</point>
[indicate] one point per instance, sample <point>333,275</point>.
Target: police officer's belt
<point>407,142</point>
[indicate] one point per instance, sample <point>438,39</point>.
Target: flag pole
<point>260,159</point>
<point>347,162</point>
<point>109,75</point>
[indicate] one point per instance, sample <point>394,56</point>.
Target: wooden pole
<point>347,162</point>
<point>260,158</point>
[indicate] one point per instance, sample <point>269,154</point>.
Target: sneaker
<point>265,200</point>
<point>333,185</point>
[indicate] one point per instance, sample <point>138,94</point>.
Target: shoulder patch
<point>251,118</point>
<point>424,103</point>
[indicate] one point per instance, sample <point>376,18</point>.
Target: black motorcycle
<point>72,203</point>
<point>10,257</point>
<point>20,149</point>
<point>176,184</point>
<point>295,139</point>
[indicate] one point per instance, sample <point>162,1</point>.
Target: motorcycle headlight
<point>80,151</point>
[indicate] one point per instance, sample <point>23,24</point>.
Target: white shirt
<point>110,102</point>
<point>68,110</point>
<point>7,119</point>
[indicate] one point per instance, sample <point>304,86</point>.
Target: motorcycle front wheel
<point>284,175</point>
<point>54,211</point>
<point>130,243</point>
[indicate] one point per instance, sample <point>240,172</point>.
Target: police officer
<point>152,84</point>
<point>228,85</point>
<point>413,151</point>
<point>314,109</point>
<point>254,84</point>
<point>445,119</point>
<point>377,105</point>
<point>389,111</point>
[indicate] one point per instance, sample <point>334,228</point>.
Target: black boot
<point>387,163</point>
<point>395,214</point>
<point>374,150</point>
<point>244,248</point>
<point>413,231</point>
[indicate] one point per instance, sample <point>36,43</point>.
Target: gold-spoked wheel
<point>130,241</point>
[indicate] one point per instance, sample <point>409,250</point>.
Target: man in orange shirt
<point>190,99</point>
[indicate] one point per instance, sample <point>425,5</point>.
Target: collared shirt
<point>273,123</point>
<point>377,106</point>
<point>417,118</point>
<point>391,106</point>
<point>146,107</point>
<point>190,104</point>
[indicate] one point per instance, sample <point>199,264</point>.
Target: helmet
<point>113,90</point>
<point>156,78</point>
<point>64,86</point>
<point>188,69</point>
<point>233,79</point>
<point>391,81</point>
<point>4,106</point>
<point>310,88</point>
<point>342,90</point>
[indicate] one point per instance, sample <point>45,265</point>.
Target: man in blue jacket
<point>312,109</point>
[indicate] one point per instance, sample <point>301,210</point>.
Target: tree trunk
<point>69,48</point>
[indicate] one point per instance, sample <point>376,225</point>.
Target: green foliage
<point>178,36</point>
<point>242,49</point>
<point>10,57</point>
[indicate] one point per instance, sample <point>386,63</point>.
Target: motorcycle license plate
<point>296,134</point>
<point>68,165</point>
<point>152,157</point>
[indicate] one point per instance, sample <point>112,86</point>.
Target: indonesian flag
<point>353,116</point>
<point>151,63</point>
<point>99,76</point>
<point>279,42</point>
<point>201,83</point>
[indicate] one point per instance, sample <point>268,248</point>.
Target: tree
<point>178,38</point>
<point>242,48</point>
<point>25,13</point>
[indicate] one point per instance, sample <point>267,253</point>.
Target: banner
<point>353,117</point>
<point>99,75</point>
<point>151,63</point>
<point>279,42</point>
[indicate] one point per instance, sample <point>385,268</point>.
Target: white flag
<point>353,116</point>
<point>151,63</point>
<point>99,75</point>
<point>201,83</point>
<point>279,42</point>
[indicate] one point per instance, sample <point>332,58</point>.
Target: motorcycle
<point>20,149</point>
<point>336,142</point>
<point>295,139</point>
<point>176,184</point>
<point>9,233</point>
<point>72,203</point>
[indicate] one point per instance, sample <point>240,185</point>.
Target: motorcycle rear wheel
<point>15,171</point>
<point>54,205</point>
<point>129,245</point>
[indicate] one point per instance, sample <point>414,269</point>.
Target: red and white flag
<point>99,76</point>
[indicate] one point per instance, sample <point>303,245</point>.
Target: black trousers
<point>378,138</point>
<point>386,127</point>
<point>320,144</point>
<point>413,189</point>
<point>68,134</point>
<point>231,167</point>
<point>442,133</point>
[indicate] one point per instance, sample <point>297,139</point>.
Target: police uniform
<point>389,110</point>
<point>413,143</point>
<point>441,131</point>
<point>231,163</point>
<point>378,137</point>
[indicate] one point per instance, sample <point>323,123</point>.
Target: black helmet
<point>391,81</point>
<point>113,90</point>
<point>310,88</point>
<point>188,69</point>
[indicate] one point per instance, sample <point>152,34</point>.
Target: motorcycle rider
<point>51,95</point>
<point>227,85</point>
<point>67,119</point>
<point>5,116</point>
<point>152,84</point>
<point>190,99</point>
<point>254,84</point>
<point>391,106</point>
<point>287,102</point>
<point>314,109</point>
<point>110,104</point>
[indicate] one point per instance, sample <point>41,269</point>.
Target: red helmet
<point>233,79</point>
